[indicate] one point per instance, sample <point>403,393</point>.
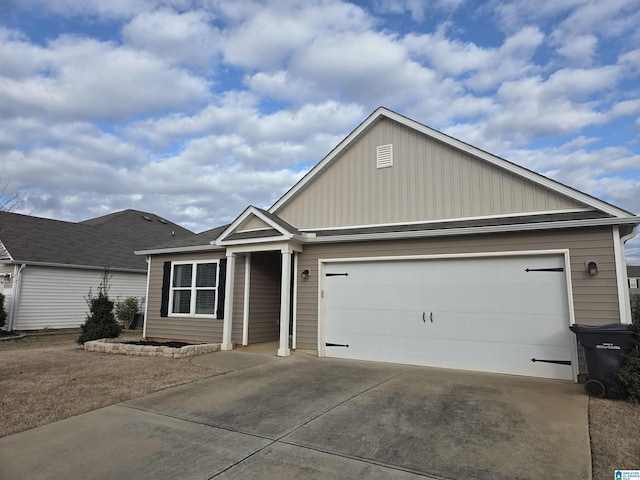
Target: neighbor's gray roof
<point>633,271</point>
<point>202,239</point>
<point>107,241</point>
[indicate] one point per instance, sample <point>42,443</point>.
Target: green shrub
<point>627,381</point>
<point>101,322</point>
<point>3,313</point>
<point>126,311</point>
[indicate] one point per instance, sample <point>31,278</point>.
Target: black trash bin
<point>604,347</point>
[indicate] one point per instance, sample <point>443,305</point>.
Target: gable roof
<point>489,158</point>
<point>107,241</point>
<point>275,228</point>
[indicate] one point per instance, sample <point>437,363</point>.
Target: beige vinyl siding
<point>264,302</point>
<point>429,180</point>
<point>190,329</point>
<point>55,297</point>
<point>595,298</point>
<point>252,223</point>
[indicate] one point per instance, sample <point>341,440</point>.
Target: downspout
<point>15,298</point>
<point>146,302</point>
<point>624,280</point>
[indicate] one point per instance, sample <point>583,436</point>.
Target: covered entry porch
<point>269,276</point>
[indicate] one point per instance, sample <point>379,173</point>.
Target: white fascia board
<point>465,147</point>
<point>263,240</point>
<point>473,230</point>
<point>193,248</point>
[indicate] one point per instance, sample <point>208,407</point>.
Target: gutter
<point>80,267</point>
<point>310,238</point>
<point>196,248</point>
<point>474,230</point>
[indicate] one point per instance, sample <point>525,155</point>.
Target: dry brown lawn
<point>48,378</point>
<point>614,427</point>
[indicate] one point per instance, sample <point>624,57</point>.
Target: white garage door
<point>492,314</point>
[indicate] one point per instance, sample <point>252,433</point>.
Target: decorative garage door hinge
<point>336,345</point>
<point>337,274</point>
<point>558,362</point>
<point>558,269</point>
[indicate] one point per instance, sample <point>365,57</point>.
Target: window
<point>633,283</point>
<point>194,288</point>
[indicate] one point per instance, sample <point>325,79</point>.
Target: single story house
<point>404,245</point>
<point>47,266</point>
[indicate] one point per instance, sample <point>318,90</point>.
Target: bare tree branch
<point>10,201</point>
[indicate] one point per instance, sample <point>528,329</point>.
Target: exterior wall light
<point>592,268</point>
<point>305,274</point>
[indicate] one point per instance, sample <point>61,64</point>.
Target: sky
<point>195,109</point>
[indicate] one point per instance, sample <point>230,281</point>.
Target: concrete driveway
<point>304,417</point>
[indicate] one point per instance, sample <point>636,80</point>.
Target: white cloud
<point>265,36</point>
<point>83,78</point>
<point>179,38</point>
<point>580,49</point>
<point>418,9</point>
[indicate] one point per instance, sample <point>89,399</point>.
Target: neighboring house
<point>404,245</point>
<point>633,274</point>
<point>47,266</point>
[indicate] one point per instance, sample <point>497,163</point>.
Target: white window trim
<point>194,289</point>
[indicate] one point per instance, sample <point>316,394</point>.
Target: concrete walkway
<point>304,417</point>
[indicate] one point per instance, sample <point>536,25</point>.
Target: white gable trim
<point>488,157</point>
<point>252,211</point>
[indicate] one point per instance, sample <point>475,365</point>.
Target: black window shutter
<point>166,278</point>
<point>222,282</point>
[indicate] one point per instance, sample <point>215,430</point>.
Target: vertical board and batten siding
<point>264,301</point>
<point>429,180</point>
<point>55,297</point>
<point>595,299</point>
<point>191,329</point>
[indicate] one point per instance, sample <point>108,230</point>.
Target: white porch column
<point>228,303</point>
<point>285,303</point>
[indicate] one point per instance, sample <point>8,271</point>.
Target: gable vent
<point>384,156</point>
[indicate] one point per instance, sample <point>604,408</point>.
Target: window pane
<point>182,275</point>
<point>205,300</point>
<point>181,301</point>
<point>206,274</point>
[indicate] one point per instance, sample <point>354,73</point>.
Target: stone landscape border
<point>112,345</point>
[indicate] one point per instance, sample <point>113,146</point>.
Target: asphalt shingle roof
<point>107,241</point>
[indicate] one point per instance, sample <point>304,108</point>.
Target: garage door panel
<point>463,355</point>
<point>448,326</point>
<point>486,314</point>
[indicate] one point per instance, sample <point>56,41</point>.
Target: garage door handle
<point>424,314</point>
